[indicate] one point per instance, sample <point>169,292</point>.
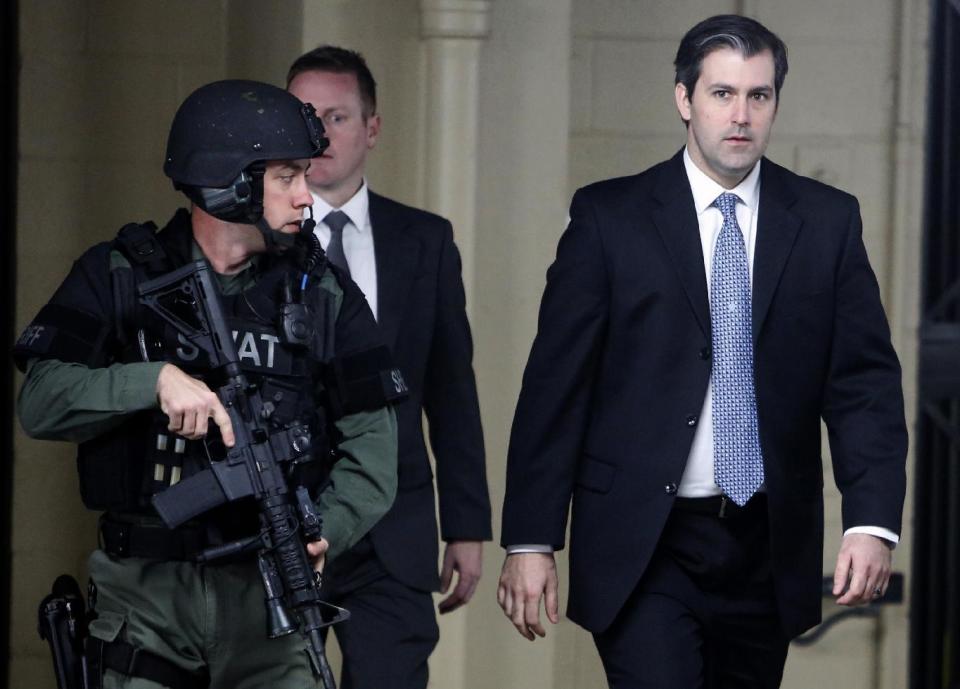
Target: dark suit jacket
<point>620,365</point>
<point>422,317</point>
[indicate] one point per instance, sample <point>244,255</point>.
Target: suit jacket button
<point>670,489</point>
<point>705,353</point>
<point>692,420</point>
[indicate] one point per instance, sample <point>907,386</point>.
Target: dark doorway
<point>935,612</point>
<point>9,29</point>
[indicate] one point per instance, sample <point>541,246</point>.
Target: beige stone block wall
<point>388,35</point>
<point>623,116</point>
<point>262,39</point>
<point>521,210</point>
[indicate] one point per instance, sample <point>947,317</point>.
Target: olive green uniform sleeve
<point>363,482</point>
<point>68,401</point>
<point>62,400</point>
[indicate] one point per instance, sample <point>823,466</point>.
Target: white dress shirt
<point>357,240</point>
<point>697,480</point>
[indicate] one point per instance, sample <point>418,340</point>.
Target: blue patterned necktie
<point>336,221</point>
<point>737,459</point>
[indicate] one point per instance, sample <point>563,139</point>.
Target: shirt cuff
<point>529,548</point>
<point>878,531</point>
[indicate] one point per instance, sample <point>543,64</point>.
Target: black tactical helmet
<point>223,134</point>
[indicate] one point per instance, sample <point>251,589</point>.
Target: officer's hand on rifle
<point>189,404</point>
<point>317,552</point>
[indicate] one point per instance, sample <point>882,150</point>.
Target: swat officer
<point>103,372</point>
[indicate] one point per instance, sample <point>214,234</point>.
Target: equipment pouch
<point>104,630</point>
<point>111,467</point>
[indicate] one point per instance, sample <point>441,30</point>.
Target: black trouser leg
<point>704,616</point>
<point>392,628</point>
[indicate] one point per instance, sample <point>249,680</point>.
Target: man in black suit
<point>698,322</point>
<point>406,263</point>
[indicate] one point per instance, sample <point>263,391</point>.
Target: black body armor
<point>111,477</point>
<point>284,329</point>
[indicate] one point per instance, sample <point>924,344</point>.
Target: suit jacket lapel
<point>676,221</point>
<point>777,228</point>
<point>397,257</point>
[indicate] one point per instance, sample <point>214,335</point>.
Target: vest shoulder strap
<point>139,244</point>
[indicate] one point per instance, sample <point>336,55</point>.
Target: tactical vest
<point>121,470</point>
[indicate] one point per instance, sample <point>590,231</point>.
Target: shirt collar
<point>706,190</point>
<point>357,208</point>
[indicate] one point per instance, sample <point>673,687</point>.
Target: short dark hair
<point>743,34</point>
<point>330,58</point>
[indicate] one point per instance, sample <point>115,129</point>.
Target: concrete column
<point>522,202</point>
<point>453,32</point>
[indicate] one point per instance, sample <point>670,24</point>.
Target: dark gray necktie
<point>336,220</point>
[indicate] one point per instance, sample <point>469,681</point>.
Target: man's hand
<point>189,403</point>
<point>863,567</point>
<point>317,550</point>
<point>524,579</point>
<point>466,558</point>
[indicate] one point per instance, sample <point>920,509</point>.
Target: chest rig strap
<point>138,243</point>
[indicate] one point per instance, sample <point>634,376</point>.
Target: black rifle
<point>257,466</point>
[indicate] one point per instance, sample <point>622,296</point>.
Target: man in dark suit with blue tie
<point>405,262</point>
<point>699,321</point>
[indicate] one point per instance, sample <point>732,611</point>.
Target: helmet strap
<point>277,242</point>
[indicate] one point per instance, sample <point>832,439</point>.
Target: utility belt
<point>79,660</point>
<point>123,538</point>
